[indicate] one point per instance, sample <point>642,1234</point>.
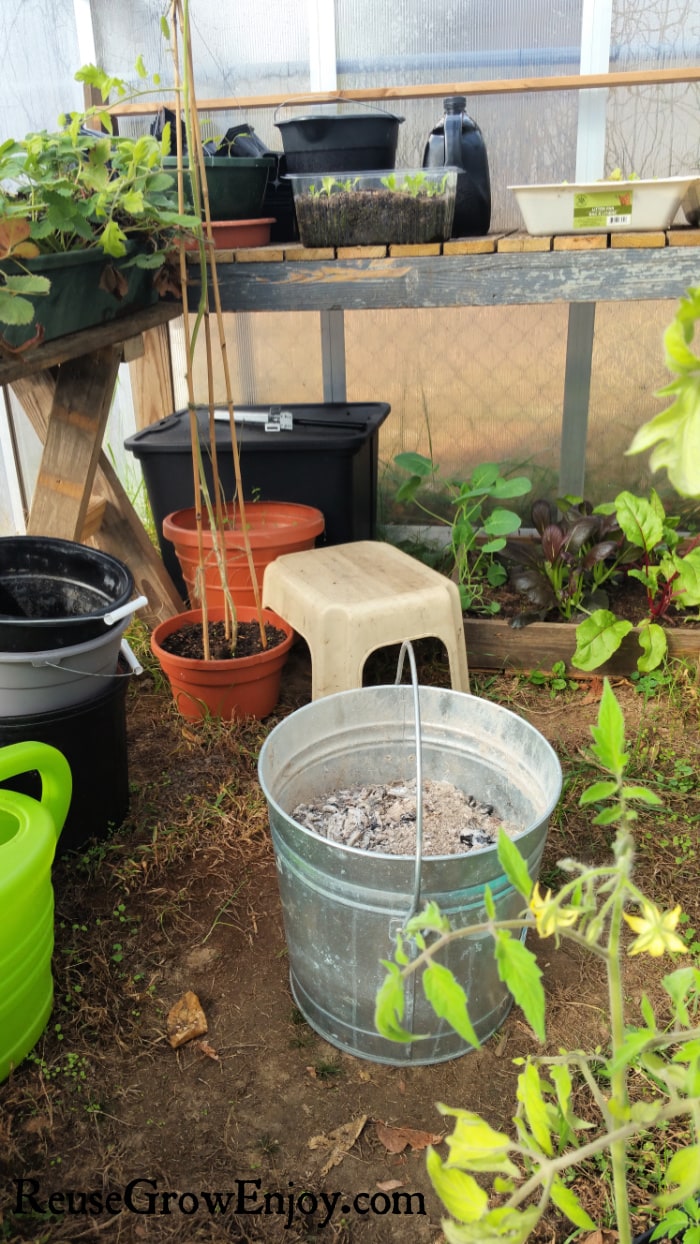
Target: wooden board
<point>152,378</point>
<point>645,241</point>
<point>415,248</point>
<point>684,237</point>
<point>435,90</point>
<point>494,645</point>
<point>258,254</point>
<point>81,405</point>
<point>582,242</point>
<point>361,252</point>
<point>500,279</point>
<point>523,243</point>
<point>294,253</point>
<point>485,245</point>
<point>76,344</point>
<point>120,531</point>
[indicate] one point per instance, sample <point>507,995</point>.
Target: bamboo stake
<point>192,413</point>
<point>222,342</point>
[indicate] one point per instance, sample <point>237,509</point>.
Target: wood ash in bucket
<point>382,818</point>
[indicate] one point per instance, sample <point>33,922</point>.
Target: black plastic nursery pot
<point>339,142</point>
<point>55,593</point>
<point>83,292</point>
<point>235,185</point>
<point>92,737</point>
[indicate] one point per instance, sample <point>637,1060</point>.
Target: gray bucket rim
<point>54,656</point>
<point>383,855</point>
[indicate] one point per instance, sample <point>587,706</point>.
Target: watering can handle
<point>53,769</point>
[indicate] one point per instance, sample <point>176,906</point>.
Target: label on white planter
<point>604,208</point>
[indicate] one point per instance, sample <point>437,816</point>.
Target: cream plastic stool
<point>350,599</point>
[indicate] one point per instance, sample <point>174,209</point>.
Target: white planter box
<point>602,206</point>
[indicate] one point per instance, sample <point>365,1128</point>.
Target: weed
<point>267,1145</point>
<point>555,682</point>
<point>327,1070</point>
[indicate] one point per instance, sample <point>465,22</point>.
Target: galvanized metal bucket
<point>342,906</point>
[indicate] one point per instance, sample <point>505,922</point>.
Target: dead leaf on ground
<point>340,1141</point>
<point>209,1050</point>
<point>396,1139</point>
<point>593,694</point>
<point>601,1236</point>
<point>186,1020</point>
<point>389,1185</point>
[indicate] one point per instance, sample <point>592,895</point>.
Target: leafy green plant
<point>476,536</point>
<point>576,554</point>
<point>82,188</point>
<point>555,682</point>
<point>415,184</point>
<point>536,1164</point>
<point>674,435</point>
<point>331,184</point>
<point>669,571</point>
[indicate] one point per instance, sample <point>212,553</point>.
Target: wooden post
<point>152,378</point>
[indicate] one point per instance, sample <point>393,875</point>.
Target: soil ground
<point>184,897</point>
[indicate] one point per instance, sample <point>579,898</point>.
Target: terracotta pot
<point>228,234</point>
<point>274,527</point>
<point>238,687</point>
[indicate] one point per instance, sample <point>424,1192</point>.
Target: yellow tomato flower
<point>655,931</point>
<point>549,917</point>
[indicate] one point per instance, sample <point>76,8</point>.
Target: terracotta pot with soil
<point>272,527</point>
<point>243,684</point>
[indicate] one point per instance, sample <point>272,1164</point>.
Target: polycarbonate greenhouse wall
<point>474,383</point>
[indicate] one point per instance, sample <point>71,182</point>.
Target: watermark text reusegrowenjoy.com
<point>144,1197</point>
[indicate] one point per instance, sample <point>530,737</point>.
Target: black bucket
<point>92,737</point>
<point>55,593</point>
<point>340,142</point>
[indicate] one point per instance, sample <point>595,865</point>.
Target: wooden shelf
<point>53,353</point>
<point>66,388</point>
<point>499,270</point>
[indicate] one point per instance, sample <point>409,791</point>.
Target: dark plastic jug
<point>457,141</point>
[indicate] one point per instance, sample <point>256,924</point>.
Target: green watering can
<point>29,830</point>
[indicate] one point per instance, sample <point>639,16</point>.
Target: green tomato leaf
<point>449,1001</point>
<point>566,1200</point>
<point>513,864</point>
<point>517,968</point>
<point>389,1006</point>
<point>609,733</point>
<point>684,1171</point>
<point>459,1192</point>
<point>597,792</point>
<point>529,1093</point>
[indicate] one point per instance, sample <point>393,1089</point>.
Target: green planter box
<point>80,294</point>
<point>236,185</point>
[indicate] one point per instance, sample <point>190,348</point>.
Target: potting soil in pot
<point>187,641</point>
<point>383,818</point>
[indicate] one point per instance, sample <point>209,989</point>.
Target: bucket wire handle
<point>333,98</point>
<point>407,648</point>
